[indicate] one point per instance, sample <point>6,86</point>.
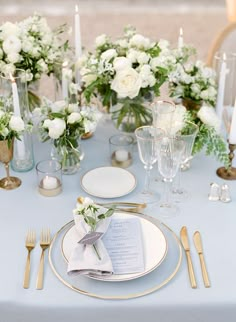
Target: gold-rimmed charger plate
<point>147,284</point>
<point>151,236</point>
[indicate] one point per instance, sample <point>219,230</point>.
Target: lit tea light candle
<point>50,186</point>
<point>121,155</point>
<point>121,158</point>
<point>50,182</point>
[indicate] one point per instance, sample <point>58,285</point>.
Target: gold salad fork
<point>29,244</point>
<point>44,244</point>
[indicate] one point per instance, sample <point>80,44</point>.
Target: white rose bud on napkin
<point>90,259</point>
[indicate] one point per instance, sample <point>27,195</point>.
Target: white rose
<point>143,58</point>
<point>42,66</point>
<point>132,55</point>
<point>12,44</point>
<point>163,44</point>
<point>195,88</point>
<point>13,57</point>
<point>73,108</point>
<point>27,45</point>
<point>151,80</point>
<point>122,43</point>
<point>9,29</point>
<point>16,123</point>
<point>73,118</point>
<point>121,63</point>
<point>108,54</point>
<point>46,123</point>
<point>101,40</point>
<point>140,42</point>
<point>56,128</point>
<point>58,106</point>
<point>4,132</point>
<point>8,69</point>
<point>209,117</point>
<point>127,83</point>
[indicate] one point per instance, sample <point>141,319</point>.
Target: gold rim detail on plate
<point>125,296</point>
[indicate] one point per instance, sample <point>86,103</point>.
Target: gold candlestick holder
<point>230,172</point>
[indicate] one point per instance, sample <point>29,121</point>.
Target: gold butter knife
<point>198,245</point>
<point>185,243</point>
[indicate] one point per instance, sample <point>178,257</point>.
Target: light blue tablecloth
<point>25,208</point>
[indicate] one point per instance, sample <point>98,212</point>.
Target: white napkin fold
<point>83,259</point>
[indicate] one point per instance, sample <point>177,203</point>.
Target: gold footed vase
<point>6,155</point>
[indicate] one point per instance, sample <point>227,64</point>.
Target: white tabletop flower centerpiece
<point>64,124</point>
<point>194,85</point>
<point>31,45</point>
<point>11,128</point>
<point>125,74</point>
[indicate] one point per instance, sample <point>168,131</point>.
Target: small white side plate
<point>108,182</point>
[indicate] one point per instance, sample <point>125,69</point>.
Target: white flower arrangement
<point>127,72</point>
<point>11,126</point>
<point>31,45</point>
<point>193,81</point>
<point>64,124</point>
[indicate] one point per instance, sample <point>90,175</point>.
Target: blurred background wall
<point>201,20</point>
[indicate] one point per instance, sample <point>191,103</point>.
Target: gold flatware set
<point>199,248</point>
<point>30,243</point>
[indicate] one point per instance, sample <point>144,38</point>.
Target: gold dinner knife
<point>185,243</point>
<point>198,245</point>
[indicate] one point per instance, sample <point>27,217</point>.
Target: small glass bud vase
<point>68,155</point>
<point>13,89</point>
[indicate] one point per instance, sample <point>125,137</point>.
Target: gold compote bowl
<point>6,154</point>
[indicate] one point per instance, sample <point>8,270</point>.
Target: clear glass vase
<point>69,156</point>
<point>129,114</point>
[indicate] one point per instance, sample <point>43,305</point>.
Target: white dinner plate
<point>154,248</point>
<point>108,182</point>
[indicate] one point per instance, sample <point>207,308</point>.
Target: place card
<point>123,241</point>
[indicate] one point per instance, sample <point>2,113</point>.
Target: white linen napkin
<point>83,259</point>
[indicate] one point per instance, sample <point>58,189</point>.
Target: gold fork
<point>44,243</point>
<point>29,244</point>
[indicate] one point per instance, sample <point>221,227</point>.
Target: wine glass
<point>162,114</point>
<point>6,155</point>
<point>170,152</point>
<point>147,141</point>
<point>188,135</point>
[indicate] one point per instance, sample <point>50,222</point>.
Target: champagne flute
<point>169,160</point>
<point>6,155</point>
<point>188,135</point>
<point>147,140</point>
<point>162,114</point>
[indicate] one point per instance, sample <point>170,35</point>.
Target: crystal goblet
<point>147,141</point>
<point>169,160</point>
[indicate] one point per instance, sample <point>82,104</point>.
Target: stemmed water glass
<point>147,141</point>
<point>188,135</point>
<point>170,153</point>
<point>162,114</point>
